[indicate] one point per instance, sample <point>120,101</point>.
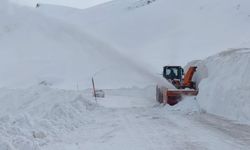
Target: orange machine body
<point>184,86</point>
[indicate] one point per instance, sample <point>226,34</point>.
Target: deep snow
<point>49,119</point>
<point>120,44</point>
<point>36,48</point>
<point>75,3</point>
<point>224,84</point>
<point>34,117</point>
<point>165,32</point>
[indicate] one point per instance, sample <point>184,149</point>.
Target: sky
<point>71,3</point>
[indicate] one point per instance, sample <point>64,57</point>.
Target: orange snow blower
<point>184,86</point>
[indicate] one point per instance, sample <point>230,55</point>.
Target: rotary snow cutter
<point>184,86</point>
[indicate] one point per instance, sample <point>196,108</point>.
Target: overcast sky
<point>71,3</point>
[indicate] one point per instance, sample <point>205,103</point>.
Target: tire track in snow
<point>239,133</point>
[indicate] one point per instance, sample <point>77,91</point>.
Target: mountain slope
<point>164,31</point>
<point>36,48</point>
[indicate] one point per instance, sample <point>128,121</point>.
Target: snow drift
<point>224,87</point>
<point>126,44</point>
<point>164,32</point>
<point>36,116</point>
<point>35,48</point>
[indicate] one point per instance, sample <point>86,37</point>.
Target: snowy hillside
<point>160,32</point>
<point>52,52</point>
<point>164,31</point>
<point>82,4</point>
<point>36,48</point>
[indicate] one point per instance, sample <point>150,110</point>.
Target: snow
<point>189,105</point>
<point>34,117</point>
<point>60,54</point>
<point>44,118</point>
<point>75,3</point>
<point>110,40</point>
<point>164,32</point>
<point>48,56</point>
<point>224,88</point>
<point>62,119</point>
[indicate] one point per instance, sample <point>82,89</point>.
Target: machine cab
<point>173,73</point>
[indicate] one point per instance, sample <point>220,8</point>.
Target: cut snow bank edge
<point>224,85</point>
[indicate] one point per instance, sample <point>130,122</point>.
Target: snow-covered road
<point>121,125</point>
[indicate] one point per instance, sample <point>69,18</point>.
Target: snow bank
<point>35,117</point>
<point>225,86</point>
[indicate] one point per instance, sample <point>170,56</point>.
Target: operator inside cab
<point>172,73</point>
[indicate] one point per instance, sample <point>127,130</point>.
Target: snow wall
<point>224,85</point>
